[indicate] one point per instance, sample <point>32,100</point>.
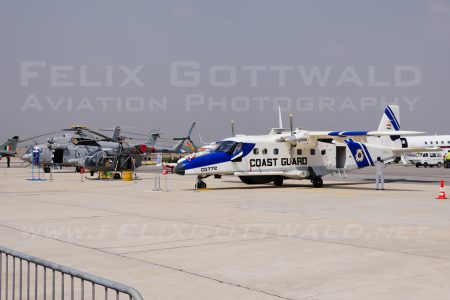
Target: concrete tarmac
<point>234,241</point>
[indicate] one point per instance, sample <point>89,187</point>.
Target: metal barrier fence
<point>27,277</point>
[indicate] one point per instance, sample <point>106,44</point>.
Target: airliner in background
<point>438,141</point>
<point>439,145</point>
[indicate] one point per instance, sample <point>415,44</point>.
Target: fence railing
<point>24,276</point>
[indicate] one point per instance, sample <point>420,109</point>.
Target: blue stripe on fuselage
<point>214,158</point>
<point>368,154</point>
<point>354,147</point>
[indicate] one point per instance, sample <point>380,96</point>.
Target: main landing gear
<point>315,179</point>
<point>278,181</point>
<point>317,182</point>
<point>200,183</point>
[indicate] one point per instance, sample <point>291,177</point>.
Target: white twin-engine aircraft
<point>300,154</point>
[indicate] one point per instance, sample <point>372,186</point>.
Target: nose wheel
<point>200,183</point>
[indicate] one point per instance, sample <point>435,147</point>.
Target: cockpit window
<point>226,146</point>
<point>237,149</point>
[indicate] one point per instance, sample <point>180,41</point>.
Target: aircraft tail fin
<point>153,137</point>
<point>116,134</point>
<point>390,122</point>
<point>10,146</point>
<point>186,138</point>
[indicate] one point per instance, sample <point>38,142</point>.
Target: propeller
<point>291,139</point>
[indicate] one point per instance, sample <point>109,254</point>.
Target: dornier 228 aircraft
<point>300,154</point>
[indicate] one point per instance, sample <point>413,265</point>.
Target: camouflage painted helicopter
<point>60,151</point>
<point>122,155</point>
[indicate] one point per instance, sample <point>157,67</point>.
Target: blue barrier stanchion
<point>36,162</point>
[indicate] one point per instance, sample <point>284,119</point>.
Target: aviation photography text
<point>196,86</point>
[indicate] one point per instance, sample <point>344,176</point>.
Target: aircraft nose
<point>180,169</point>
<point>26,157</point>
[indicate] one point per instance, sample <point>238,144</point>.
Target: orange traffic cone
<point>442,192</point>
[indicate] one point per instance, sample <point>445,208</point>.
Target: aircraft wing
<point>416,149</point>
<point>349,134</point>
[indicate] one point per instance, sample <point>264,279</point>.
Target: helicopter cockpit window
<point>226,146</point>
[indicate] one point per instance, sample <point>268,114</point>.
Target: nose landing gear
<point>200,183</point>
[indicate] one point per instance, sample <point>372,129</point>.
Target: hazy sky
<point>164,64</point>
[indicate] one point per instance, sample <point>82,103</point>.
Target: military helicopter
<point>122,155</point>
<point>60,151</point>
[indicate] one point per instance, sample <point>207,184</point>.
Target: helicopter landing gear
<point>117,176</point>
<point>200,183</point>
<point>47,169</point>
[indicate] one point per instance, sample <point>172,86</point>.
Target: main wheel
<point>92,173</point>
<point>278,181</point>
<point>317,182</point>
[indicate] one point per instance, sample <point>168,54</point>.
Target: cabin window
<point>275,151</point>
<point>437,143</point>
<point>299,152</point>
<point>323,152</point>
<point>431,143</point>
<point>256,151</point>
<point>264,151</point>
<point>426,143</point>
<point>312,151</point>
<point>442,142</point>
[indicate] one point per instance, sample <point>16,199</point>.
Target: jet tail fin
<point>11,145</point>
